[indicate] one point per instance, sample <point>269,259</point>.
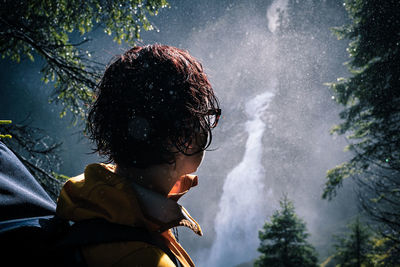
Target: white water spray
<point>241,208</point>
<point>273,13</point>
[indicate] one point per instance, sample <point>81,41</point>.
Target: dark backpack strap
<point>30,241</point>
<point>50,228</point>
<point>97,231</point>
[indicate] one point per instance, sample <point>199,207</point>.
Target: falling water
<point>241,208</point>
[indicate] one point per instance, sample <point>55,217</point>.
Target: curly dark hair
<point>152,102</point>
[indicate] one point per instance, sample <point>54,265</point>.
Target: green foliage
<point>371,117</point>
<point>371,95</point>
<point>385,252</point>
<point>63,178</point>
<point>354,248</point>
<point>307,55</point>
<point>43,28</point>
<point>283,240</point>
<point>5,135</point>
<point>336,176</point>
<point>361,246</point>
<point>380,199</point>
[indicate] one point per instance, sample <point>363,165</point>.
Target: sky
<point>273,137</point>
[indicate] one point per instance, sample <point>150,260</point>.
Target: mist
<point>229,229</point>
<point>245,58</point>
<point>273,137</point>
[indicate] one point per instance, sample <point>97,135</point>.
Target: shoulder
<point>130,254</point>
<point>147,256</point>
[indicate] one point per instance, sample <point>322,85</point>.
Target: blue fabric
<point>30,222</point>
<point>20,194</point>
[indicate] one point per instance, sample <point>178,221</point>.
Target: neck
<point>159,178</point>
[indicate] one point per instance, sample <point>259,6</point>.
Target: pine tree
<point>371,115</point>
<point>355,248</point>
<point>283,240</point>
<point>371,95</point>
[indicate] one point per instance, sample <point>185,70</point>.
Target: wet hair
<point>150,104</point>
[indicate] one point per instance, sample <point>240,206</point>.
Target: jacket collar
<point>163,212</point>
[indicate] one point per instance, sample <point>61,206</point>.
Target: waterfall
<point>241,208</point>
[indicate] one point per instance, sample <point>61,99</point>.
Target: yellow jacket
<point>100,193</point>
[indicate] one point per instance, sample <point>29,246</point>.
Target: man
<point>152,118</point>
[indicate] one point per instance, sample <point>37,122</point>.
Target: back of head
<point>151,103</point>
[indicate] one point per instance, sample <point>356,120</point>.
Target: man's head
<point>153,102</point>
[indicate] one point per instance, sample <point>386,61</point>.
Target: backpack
<point>31,233</point>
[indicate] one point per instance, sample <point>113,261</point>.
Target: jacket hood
<point>100,193</point>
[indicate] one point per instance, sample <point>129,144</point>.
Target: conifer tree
<point>355,248</point>
<point>371,101</point>
<point>284,240</point>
